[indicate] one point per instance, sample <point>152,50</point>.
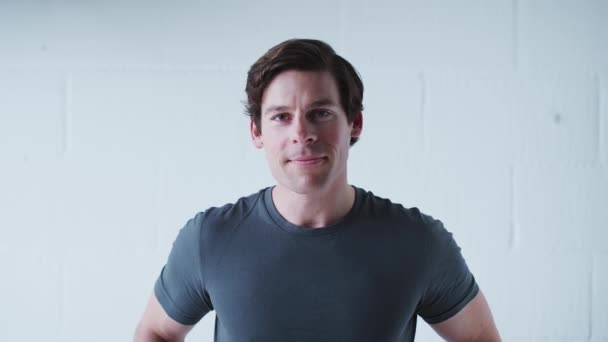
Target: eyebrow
<point>322,102</point>
<point>275,109</point>
<point>318,103</point>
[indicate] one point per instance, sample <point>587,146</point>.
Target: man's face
<point>305,132</point>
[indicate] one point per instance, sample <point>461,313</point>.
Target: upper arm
<point>179,299</point>
<point>452,302</point>
<point>180,288</point>
<point>473,322</point>
<point>156,322</point>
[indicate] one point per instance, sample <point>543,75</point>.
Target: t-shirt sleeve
<point>180,286</point>
<point>451,286</point>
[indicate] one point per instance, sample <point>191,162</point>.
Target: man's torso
<point>360,280</point>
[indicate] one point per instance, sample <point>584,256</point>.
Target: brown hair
<point>305,55</point>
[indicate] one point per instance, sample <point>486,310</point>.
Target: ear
<point>357,126</point>
<point>256,135</point>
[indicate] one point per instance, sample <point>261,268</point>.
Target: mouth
<point>307,161</point>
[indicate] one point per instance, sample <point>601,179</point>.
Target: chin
<point>306,185</point>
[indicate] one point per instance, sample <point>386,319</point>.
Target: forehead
<point>301,86</point>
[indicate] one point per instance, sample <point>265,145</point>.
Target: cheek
<point>336,137</point>
<point>274,150</point>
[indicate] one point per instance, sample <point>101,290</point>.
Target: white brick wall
<point>119,121</point>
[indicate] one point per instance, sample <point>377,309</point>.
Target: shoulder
<point>217,220</point>
<point>379,208</point>
<point>231,211</point>
<point>411,220</point>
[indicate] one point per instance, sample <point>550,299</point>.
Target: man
<point>313,258</point>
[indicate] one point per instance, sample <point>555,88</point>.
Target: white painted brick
<point>57,204</point>
<point>561,207</point>
<point>562,35</point>
<point>189,32</point>
<point>473,202</point>
<point>557,117</point>
<point>167,117</point>
<point>32,203</point>
<point>31,114</point>
<point>470,119</point>
<point>30,297</point>
<point>110,203</point>
<point>240,32</point>
<point>599,304</point>
<point>538,295</point>
<point>392,117</point>
<point>392,138</point>
<point>108,284</point>
<point>500,118</point>
<point>429,34</point>
<point>183,132</point>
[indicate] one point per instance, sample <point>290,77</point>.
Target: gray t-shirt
<point>364,279</point>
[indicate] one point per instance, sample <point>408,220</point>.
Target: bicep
<point>473,322</point>
<point>180,287</point>
<point>156,321</point>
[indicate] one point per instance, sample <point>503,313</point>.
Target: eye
<point>280,117</point>
<point>321,114</point>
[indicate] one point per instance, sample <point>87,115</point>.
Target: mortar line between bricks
<point>160,177</point>
<point>160,187</point>
<point>514,234</point>
<point>342,24</point>
<point>601,112</point>
<point>128,67</point>
<point>67,118</point>
<point>514,32</point>
<point>423,104</point>
<point>61,294</point>
<point>591,288</point>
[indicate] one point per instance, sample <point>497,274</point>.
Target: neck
<point>314,210</point>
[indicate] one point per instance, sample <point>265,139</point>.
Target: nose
<point>303,132</point>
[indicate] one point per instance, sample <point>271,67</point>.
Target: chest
<point>318,287</point>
